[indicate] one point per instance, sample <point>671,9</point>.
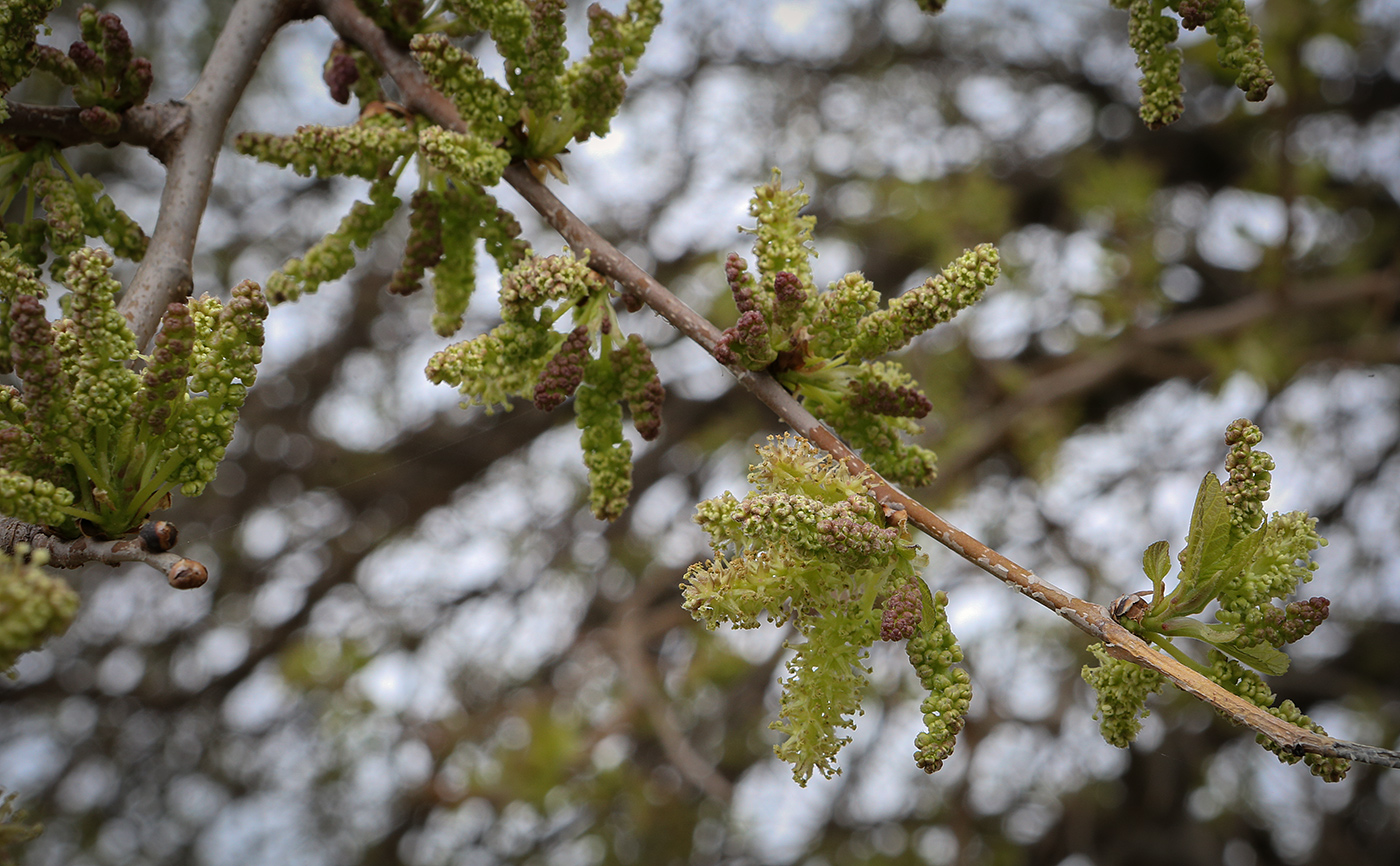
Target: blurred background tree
<point>418,646</point>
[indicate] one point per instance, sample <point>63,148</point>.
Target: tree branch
<point>639,679</point>
<point>155,127</point>
<point>1093,619</point>
<point>187,137</point>
<point>151,546</point>
<point>165,274</point>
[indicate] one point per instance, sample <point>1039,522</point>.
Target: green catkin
<point>809,546</point>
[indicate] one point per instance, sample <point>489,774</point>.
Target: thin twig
<point>154,127</point>
<point>639,679</point>
<point>165,274</point>
<point>74,552</point>
<point>421,97</point>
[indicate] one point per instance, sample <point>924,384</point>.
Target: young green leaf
<point>1156,562</point>
<point>1262,657</point>
<point>1207,544</point>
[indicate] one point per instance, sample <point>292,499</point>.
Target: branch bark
<point>155,127</point>
<point>1093,619</point>
<point>165,275</point>
<point>187,136</point>
<point>151,546</point>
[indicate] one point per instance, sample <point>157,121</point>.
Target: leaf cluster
<point>527,356</point>
<point>1241,562</point>
<point>810,547</point>
<point>87,444</point>
<point>821,344</point>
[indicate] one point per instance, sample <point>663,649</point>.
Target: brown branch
<point>155,127</point>
<point>639,678</point>
<point>151,546</point>
<point>187,137</point>
<point>165,274</point>
<point>421,97</point>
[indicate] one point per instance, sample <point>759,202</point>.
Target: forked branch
<point>1093,619</point>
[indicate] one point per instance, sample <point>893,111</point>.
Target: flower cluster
<point>89,445</point>
<point>1121,688</point>
<point>106,79</point>
<point>18,51</point>
<point>1247,684</point>
<point>820,345</point>
<point>34,604</point>
<point>542,106</point>
<point>526,356</point>
<point>1242,562</point>
<point>810,546</point>
<point>451,201</point>
<point>902,613</point>
<point>1151,33</point>
<point>545,102</point>
<point>933,651</point>
<point>75,209</point>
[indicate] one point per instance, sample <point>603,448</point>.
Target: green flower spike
<point>482,103</point>
<point>809,546</point>
<point>820,345</point>
<point>1121,688</point>
<point>368,149</point>
<point>1151,34</point>
<point>608,456</point>
<point>35,605</point>
<point>332,258</point>
<point>933,651</point>
<point>225,358</point>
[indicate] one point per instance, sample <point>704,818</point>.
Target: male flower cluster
<point>34,604</point>
<point>1151,33</point>
<point>75,209</point>
<point>526,356</point>
<point>545,102</point>
<point>820,345</point>
<point>89,445</point>
<point>810,546</point>
<point>933,651</point>
<point>542,106</point>
<point>1241,561</point>
<point>107,78</point>
<point>452,202</point>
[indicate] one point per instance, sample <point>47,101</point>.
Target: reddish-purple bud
<point>564,372</point>
<point>340,74</point>
<point>903,612</point>
<point>1196,13</point>
<point>880,398</point>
